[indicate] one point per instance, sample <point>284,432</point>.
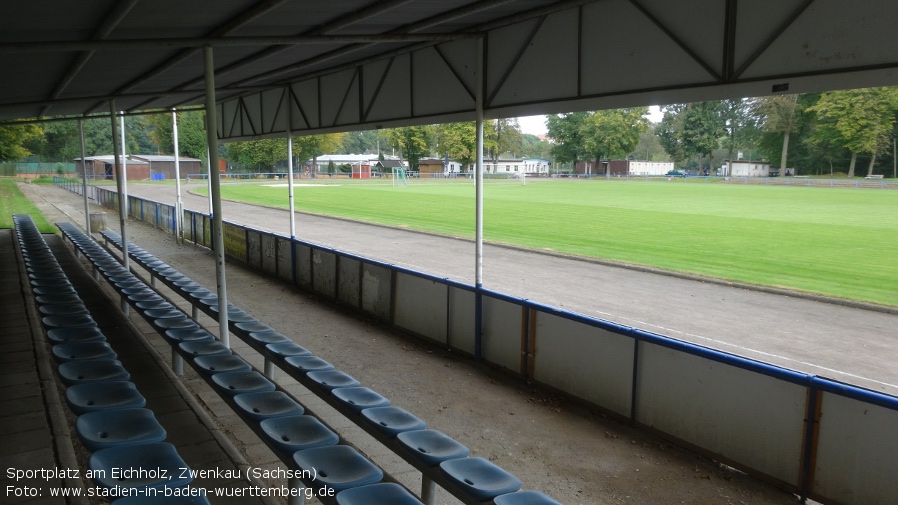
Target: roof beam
<point>198,43</point>
<point>773,36</point>
<point>112,20</point>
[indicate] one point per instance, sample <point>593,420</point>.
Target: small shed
<point>162,166</point>
<point>103,167</point>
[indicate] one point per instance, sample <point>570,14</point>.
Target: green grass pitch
<point>12,201</point>
<point>838,242</point>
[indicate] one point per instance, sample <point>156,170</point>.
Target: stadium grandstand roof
<point>314,67</point>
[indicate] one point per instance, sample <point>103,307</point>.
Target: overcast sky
<point>536,125</point>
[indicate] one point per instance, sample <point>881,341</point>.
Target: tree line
<point>811,133</point>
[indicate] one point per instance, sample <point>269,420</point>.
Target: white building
<point>650,167</point>
<point>529,166</point>
<point>740,168</point>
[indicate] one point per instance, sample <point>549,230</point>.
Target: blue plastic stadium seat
<point>61,309</point>
<point>78,372</point>
<point>306,364</point>
<point>286,349</point>
<point>359,398</point>
<point>479,478</point>
<point>51,299</point>
<point>154,305</point>
<point>96,396</point>
<point>295,433</point>
<point>338,467</point>
<point>112,428</point>
<point>218,363</point>
<point>143,466</point>
<point>163,313</point>
<point>392,421</point>
<point>269,337</point>
<point>250,326</point>
<point>431,447</point>
<point>189,335</point>
<point>235,315</point>
<point>68,321</point>
<point>54,290</point>
<point>267,404</point>
<point>172,323</point>
<point>78,334</point>
<point>384,493</point>
<point>196,348</point>
<point>525,498</point>
<point>332,379</point>
<point>235,383</point>
<point>145,297</point>
<point>71,351</point>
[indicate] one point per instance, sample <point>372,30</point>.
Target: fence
<point>823,439</point>
<point>46,169</point>
<point>797,181</point>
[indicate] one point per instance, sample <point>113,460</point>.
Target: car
<point>676,173</point>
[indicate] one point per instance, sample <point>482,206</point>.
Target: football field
<point>837,242</point>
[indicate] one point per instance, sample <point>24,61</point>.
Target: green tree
<point>191,133</point>
<point>459,140</point>
<point>311,146</point>
<point>413,142</point>
<point>261,154</point>
<point>613,133</point>
<point>502,136</point>
<point>535,147</point>
<point>779,115</point>
<point>564,130</point>
<point>859,120</point>
<point>13,138</point>
<point>358,142</point>
<point>649,147</point>
<point>669,132</point>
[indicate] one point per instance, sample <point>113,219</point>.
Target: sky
<point>536,125</point>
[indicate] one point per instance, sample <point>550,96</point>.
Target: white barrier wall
<point>284,258</point>
<point>324,272</point>
<point>422,306</point>
<point>348,281</point>
<point>269,254</point>
<point>376,290</point>
<point>461,319</point>
<point>857,452</point>
<point>744,416</point>
<point>502,333</point>
<point>589,362</point>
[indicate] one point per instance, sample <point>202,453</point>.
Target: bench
<point>331,386</point>
<point>230,376</point>
<point>877,176</point>
<point>111,418</point>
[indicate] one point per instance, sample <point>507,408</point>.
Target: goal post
<point>400,177</point>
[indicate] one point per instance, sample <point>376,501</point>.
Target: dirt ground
<point>573,454</point>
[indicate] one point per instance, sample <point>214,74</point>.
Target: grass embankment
<point>12,201</point>
<point>837,242</point>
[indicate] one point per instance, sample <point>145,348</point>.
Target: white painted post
<point>215,198</point>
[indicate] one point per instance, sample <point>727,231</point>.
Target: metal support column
<point>122,196</point>
<point>478,181</point>
<point>215,197</point>
<point>290,165</point>
<point>179,213</point>
<point>84,177</point>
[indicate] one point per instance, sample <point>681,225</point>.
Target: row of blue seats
<point>112,422</point>
<point>299,439</point>
<point>439,457</point>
